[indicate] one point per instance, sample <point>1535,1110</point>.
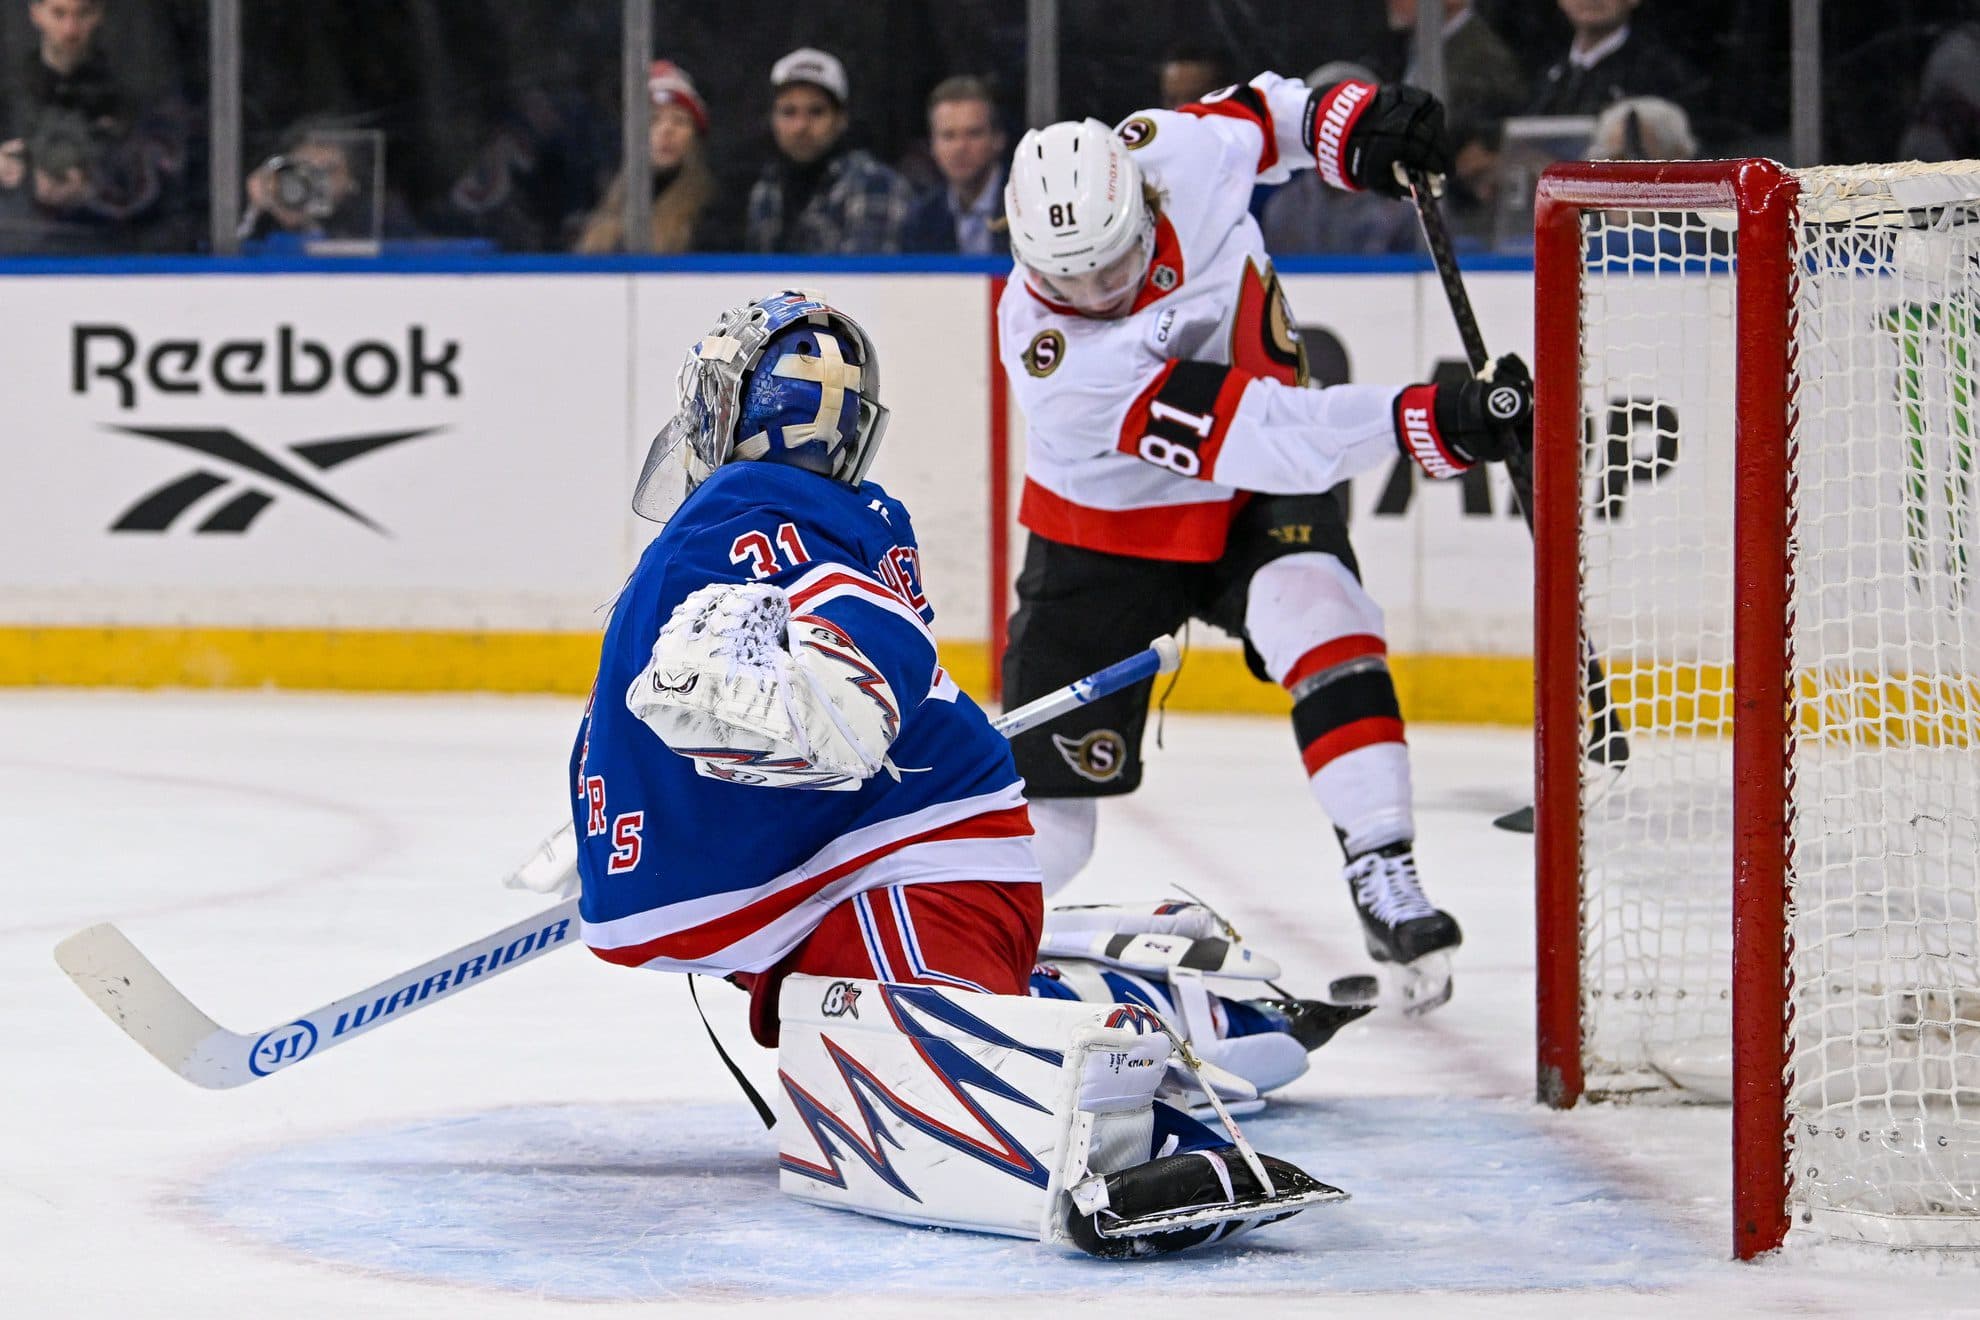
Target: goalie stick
<point>1607,744</point>
<point>135,995</point>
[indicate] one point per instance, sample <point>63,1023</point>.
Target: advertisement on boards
<point>312,451</point>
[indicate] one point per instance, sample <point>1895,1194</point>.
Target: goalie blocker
<point>1023,1117</point>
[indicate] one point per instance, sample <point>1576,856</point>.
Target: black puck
<point>1354,989</point>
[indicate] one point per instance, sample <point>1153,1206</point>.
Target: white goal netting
<point>1881,774</point>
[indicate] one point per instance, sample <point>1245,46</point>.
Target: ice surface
<point>563,1141</point>
<point>539,1199</point>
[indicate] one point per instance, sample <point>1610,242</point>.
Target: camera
<point>61,141</point>
<point>302,187</point>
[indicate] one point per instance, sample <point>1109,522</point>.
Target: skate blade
<point>1217,1214</point>
<point>1417,988</point>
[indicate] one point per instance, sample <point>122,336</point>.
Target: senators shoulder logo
<point>1137,132</point>
<point>1044,353</point>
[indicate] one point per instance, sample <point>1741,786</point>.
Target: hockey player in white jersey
<point>1178,466</point>
<point>776,781</point>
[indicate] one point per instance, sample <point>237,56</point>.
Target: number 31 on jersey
<point>757,550</point>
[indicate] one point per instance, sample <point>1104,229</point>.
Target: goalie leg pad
<point>1153,937</point>
<point>1266,1054</point>
<point>1001,1114</point>
<point>960,1110</point>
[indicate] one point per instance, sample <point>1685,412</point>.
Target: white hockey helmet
<point>1078,221</point>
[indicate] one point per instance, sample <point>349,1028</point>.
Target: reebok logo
<point>1336,118</point>
<point>287,364</point>
<point>254,476</point>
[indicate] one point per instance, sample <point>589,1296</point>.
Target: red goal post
<point>1754,474</point>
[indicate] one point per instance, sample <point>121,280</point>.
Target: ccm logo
<point>1421,437</point>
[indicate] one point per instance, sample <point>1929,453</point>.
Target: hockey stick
<point>135,995</point>
<point>1607,744</point>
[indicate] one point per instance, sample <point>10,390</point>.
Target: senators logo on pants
<point>1100,756</point>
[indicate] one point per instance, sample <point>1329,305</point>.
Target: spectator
<point>327,184</point>
<point>1650,128</point>
<point>68,73</point>
<point>1531,29</point>
<point>1482,80</point>
<point>535,179</point>
<point>965,212</point>
<point>1643,128</point>
<point>1609,60</point>
<point>1190,72</point>
<point>1482,85</point>
<point>682,183</point>
<point>1946,125</point>
<point>817,195</point>
<point>77,173</point>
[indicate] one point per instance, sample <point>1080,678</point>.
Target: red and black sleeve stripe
<point>1179,422</point>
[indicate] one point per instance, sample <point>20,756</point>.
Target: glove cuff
<point>1420,437</point>
<point>1331,114</point>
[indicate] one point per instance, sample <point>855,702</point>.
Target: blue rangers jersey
<point>687,871</point>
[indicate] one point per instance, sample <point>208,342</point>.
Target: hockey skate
<point>1403,930</point>
<point>1187,1200</point>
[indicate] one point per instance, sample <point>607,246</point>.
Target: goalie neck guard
<point>786,379</point>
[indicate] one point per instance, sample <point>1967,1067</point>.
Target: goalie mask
<point>785,379</point>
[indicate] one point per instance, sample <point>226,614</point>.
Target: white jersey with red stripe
<point>1143,432</point>
<point>695,865</point>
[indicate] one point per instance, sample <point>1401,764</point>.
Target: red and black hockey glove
<point>1359,133</point>
<point>1446,429</point>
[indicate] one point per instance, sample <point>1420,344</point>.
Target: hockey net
<point>1756,516</point>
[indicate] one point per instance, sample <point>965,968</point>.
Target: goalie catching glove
<point>754,696</point>
<point>1447,429</point>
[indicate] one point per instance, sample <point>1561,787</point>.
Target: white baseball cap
<point>817,67</point>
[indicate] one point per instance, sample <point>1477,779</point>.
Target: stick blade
<point>135,995</point>
<point>1519,821</point>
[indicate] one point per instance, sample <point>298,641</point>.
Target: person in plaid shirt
<point>816,195</point>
